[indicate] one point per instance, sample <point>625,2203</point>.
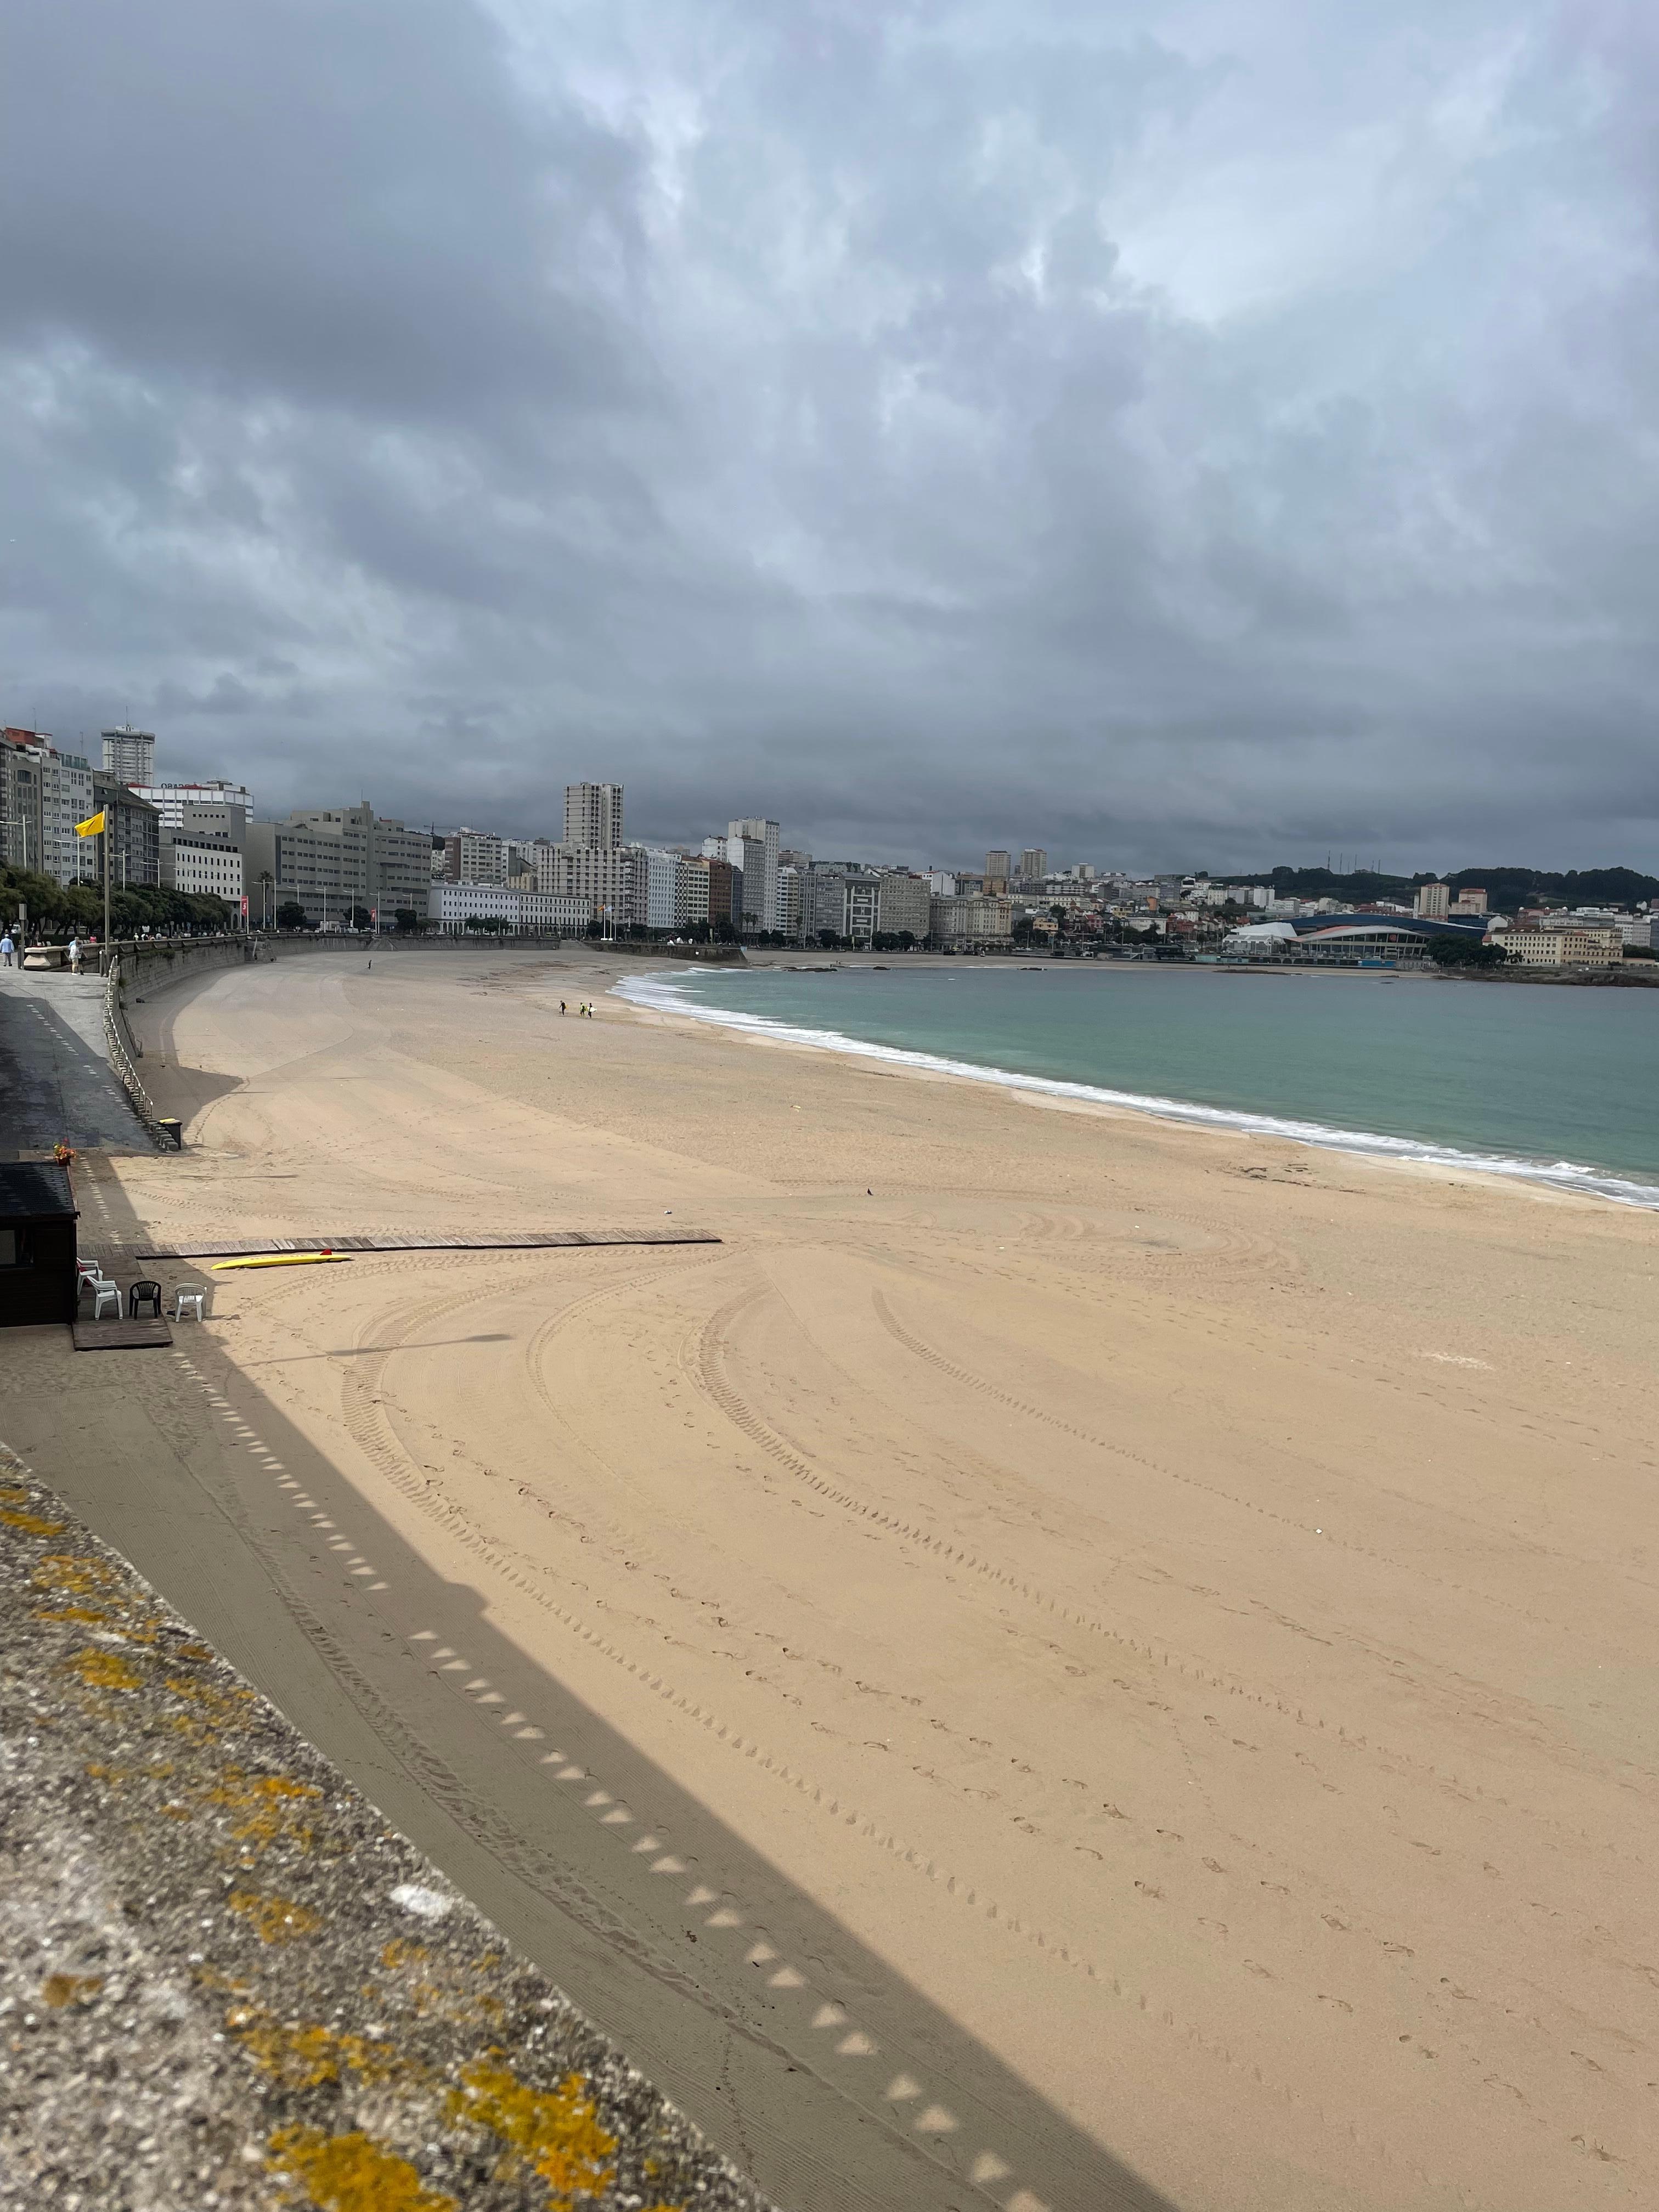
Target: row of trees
<point>61,910</point>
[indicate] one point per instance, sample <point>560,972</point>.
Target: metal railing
<point>119,1045</point>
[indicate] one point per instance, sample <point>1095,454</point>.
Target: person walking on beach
<point>562,1006</point>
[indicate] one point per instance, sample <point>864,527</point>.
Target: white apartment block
<point>661,879</point>
<point>593,815</point>
<point>202,865</point>
<point>450,907</point>
<point>170,799</point>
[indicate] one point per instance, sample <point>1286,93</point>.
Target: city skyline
<point>1147,453</point>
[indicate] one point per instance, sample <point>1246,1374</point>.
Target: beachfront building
<point>209,866</point>
<point>846,901</point>
<point>971,922</point>
<point>661,881</point>
<point>792,881</point>
<point>1569,944</point>
<point>691,890</point>
<point>475,856</point>
<point>44,792</point>
<point>332,861</point>
<point>450,907</point>
<point>752,845</point>
<point>903,902</point>
<point>133,828</point>
<point>593,816</point>
<point>614,879</point>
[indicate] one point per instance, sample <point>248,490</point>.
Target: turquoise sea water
<point>1557,1085</point>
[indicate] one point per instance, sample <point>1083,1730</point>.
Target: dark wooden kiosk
<point>37,1244</point>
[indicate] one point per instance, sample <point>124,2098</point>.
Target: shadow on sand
<point>749,2004</point>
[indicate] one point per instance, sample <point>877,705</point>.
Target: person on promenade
<point>74,956</point>
<point>5,950</point>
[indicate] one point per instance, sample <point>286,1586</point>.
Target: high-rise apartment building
<point>752,846</point>
<point>593,815</point>
<point>1033,863</point>
<point>1434,900</point>
<point>996,871</point>
<point>129,755</point>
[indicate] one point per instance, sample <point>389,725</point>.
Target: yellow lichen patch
<point>351,2173</point>
<point>104,1670</point>
<point>273,1919</point>
<point>266,1803</point>
<point>61,1570</point>
<point>192,1651</point>
<point>401,1951</point>
<point>60,1989</point>
<point>14,1497</point>
<point>30,1524</point>
<point>300,2056</point>
<point>91,1615</point>
<point>557,2136</point>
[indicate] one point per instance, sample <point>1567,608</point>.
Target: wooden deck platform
<point>529,1240</point>
<point>120,1335</point>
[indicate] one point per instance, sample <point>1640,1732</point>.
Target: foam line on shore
<point>666,993</point>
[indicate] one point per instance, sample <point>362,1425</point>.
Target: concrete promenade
<point>226,1979</point>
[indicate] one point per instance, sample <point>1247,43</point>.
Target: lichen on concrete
<point>226,1981</point>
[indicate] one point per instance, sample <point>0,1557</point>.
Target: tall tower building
<point>593,815</point>
<point>752,846</point>
<point>129,755</point>
<point>1033,863</point>
<point>996,871</point>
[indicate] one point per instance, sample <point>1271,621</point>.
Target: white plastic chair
<point>104,1293</point>
<point>188,1294</point>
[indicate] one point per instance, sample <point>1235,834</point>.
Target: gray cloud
<point>1172,437</point>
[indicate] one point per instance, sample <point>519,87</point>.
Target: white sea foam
<point>666,993</point>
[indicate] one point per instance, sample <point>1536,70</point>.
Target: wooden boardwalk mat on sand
<point>120,1335</point>
<point>230,1248</point>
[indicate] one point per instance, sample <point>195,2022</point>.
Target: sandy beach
<point>1064,1661</point>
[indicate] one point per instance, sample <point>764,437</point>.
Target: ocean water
<point>1559,1085</point>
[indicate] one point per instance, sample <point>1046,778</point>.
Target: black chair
<point>145,1293</point>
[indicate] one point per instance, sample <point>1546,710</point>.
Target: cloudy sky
<point>1218,432</point>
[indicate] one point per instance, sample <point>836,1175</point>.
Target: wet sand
<point>1134,1647</point>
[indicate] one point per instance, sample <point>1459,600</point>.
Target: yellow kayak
<point>280,1259</point>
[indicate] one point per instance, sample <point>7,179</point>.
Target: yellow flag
<point>92,827</point>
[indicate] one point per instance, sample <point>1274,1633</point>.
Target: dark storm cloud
<point>1168,435</point>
